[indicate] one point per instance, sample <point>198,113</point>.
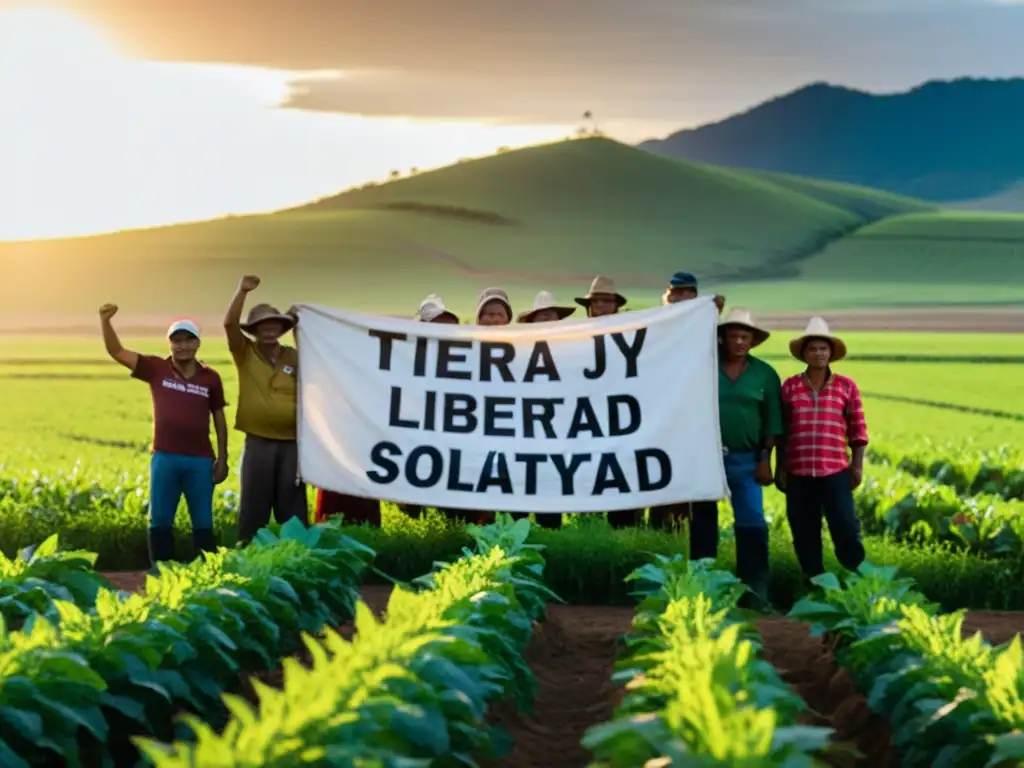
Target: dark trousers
<point>703,517</point>
<point>355,509</point>
<point>806,499</point>
<point>270,481</point>
<point>477,516</point>
<point>544,519</point>
<point>625,518</point>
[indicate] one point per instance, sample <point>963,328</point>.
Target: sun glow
<point>92,141</point>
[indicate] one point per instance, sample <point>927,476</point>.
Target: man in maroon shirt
<point>821,461</point>
<point>185,395</point>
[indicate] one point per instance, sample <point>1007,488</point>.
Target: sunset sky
<point>123,113</point>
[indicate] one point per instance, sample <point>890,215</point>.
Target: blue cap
<point>683,280</point>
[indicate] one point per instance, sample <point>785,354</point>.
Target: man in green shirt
<point>750,412</point>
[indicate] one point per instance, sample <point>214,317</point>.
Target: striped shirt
<point>820,425</point>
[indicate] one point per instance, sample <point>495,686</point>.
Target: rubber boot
<point>752,565</point>
<point>161,547</point>
<point>203,540</point>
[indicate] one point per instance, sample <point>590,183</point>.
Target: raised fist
<point>107,311</point>
<point>249,283</point>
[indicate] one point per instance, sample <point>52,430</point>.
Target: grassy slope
<point>976,254</point>
<point>869,203</point>
<point>583,207</point>
<point>572,209</point>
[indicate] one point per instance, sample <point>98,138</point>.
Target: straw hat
<point>817,328</point>
<point>432,308</point>
<point>493,294</point>
<point>262,312</point>
<point>601,286</point>
<point>545,300</point>
<point>742,318</point>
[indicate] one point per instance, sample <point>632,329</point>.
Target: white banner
<point>618,412</point>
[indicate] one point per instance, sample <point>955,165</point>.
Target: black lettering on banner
<point>609,475</point>
<point>412,475</point>
<point>395,416</point>
<point>584,419</point>
<point>644,482</point>
<point>447,355</point>
<point>541,363</point>
<point>600,361</point>
<point>455,470</point>
<point>615,426</point>
<point>492,414</point>
<point>546,405</point>
<point>531,460</point>
<point>459,406</point>
<point>381,455</point>
<point>496,354</point>
<point>567,472</point>
<point>387,338</point>
<point>419,359</point>
<point>631,352</point>
<point>495,472</point>
<point>429,410</point>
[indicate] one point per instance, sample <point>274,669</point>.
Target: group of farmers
<point>813,422</point>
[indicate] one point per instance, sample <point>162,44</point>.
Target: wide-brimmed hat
<point>601,286</point>
<point>817,328</point>
<point>544,301</point>
<point>493,294</point>
<point>432,308</point>
<point>262,312</point>
<point>741,317</point>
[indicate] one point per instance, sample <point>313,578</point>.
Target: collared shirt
<point>181,406</point>
<point>267,394</point>
<point>750,408</point>
<point>820,425</point>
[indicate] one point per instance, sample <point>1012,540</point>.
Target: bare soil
<point>573,655</point>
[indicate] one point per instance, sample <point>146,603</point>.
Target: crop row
<point>82,676</point>
<point>109,516</point>
<point>696,691</point>
<point>950,700</point>
<point>409,690</point>
<point>968,471</point>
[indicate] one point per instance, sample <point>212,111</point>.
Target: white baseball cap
<point>189,326</point>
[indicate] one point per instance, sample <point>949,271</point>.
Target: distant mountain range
<point>944,141</point>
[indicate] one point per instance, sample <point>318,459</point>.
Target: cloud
<point>539,60</point>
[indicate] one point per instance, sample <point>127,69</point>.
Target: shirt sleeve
<point>146,367</point>
<point>772,417</point>
<point>856,425</point>
<point>217,399</point>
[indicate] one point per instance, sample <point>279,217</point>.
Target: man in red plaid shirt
<point>821,461</point>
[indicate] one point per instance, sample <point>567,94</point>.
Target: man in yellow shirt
<point>267,392</point>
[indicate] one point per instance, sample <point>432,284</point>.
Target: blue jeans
<point>174,474</point>
<point>747,496</point>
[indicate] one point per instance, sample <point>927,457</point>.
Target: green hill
<point>544,217</point>
<point>871,204</point>
<point>958,256</point>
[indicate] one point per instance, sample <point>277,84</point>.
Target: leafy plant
<point>411,690</point>
<point>950,700</point>
<point>76,687</point>
<point>40,575</point>
<point>696,692</point>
